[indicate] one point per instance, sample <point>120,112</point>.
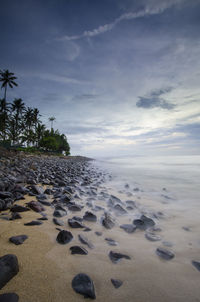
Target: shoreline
<point>46,268</point>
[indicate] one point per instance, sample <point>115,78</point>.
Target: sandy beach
<point>46,268</point>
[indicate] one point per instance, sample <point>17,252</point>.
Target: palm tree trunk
<point>5,92</point>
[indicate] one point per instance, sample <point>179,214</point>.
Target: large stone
<point>64,237</point>
<point>89,216</point>
<point>18,239</point>
<point>128,228</point>
<point>119,209</point>
<point>78,250</point>
<point>58,221</point>
<point>59,213</point>
<point>75,224</point>
<point>34,222</point>
<point>5,195</point>
<point>9,297</point>
<point>83,285</point>
<point>196,264</point>
<point>8,268</point>
<point>18,208</point>
<point>35,206</point>
<point>116,257</point>
<point>164,253</point>
<point>85,241</point>
<point>108,221</point>
<point>152,237</point>
<point>37,189</point>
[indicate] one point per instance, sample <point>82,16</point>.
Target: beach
<point>47,268</point>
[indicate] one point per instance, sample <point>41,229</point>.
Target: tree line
<point>21,125</point>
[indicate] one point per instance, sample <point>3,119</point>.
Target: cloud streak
<point>126,16</point>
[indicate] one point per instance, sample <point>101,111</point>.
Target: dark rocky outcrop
<point>8,268</point>
<point>83,285</point>
<point>18,208</point>
<point>108,221</point>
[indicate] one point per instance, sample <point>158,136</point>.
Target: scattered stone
<point>108,221</point>
<point>85,241</point>
<point>34,222</point>
<point>111,241</point>
<point>87,229</point>
<point>89,216</point>
<point>64,237</point>
<point>9,297</point>
<point>75,224</point>
<point>152,237</point>
<point>37,189</point>
<point>75,208</point>
<point>144,222</point>
<point>80,219</point>
<point>98,233</point>
<point>187,229</point>
<point>42,218</point>
<point>45,203</point>
<point>59,213</point>
<point>116,257</point>
<point>119,209</point>
<point>83,285</point>
<point>15,215</point>
<point>35,206</point>
<point>78,250</point>
<point>5,195</point>
<point>129,228</point>
<point>18,239</point>
<point>58,221</point>
<point>116,283</point>
<point>8,268</point>
<point>18,208</point>
<point>164,253</point>
<point>196,264</point>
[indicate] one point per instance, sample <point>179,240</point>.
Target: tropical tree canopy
<point>8,79</point>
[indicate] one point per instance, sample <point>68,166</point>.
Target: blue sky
<point>122,77</point>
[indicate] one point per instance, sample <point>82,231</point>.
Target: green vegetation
<point>21,127</point>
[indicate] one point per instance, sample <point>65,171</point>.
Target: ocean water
<point>177,177</point>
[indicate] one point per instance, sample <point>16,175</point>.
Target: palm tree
<point>52,119</point>
<point>18,107</point>
<point>4,118</point>
<point>8,79</point>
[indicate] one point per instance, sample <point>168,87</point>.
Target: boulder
<point>83,285</point>
<point>18,239</point>
<point>64,237</point>
<point>8,268</point>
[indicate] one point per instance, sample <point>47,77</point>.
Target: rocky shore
<point>50,203</point>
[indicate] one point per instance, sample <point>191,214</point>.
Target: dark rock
<point>41,197</point>
<point>18,208</point>
<point>152,237</point>
<point>111,241</point>
<point>37,189</point>
<point>80,219</point>
<point>9,297</point>
<point>85,241</point>
<point>144,222</point>
<point>87,229</point>
<point>78,250</point>
<point>116,283</point>
<point>45,203</point>
<point>164,253</point>
<point>196,264</point>
<point>108,221</point>
<point>5,195</point>
<point>64,237</point>
<point>58,221</point>
<point>35,206</point>
<point>42,218</point>
<point>48,191</point>
<point>131,203</point>
<point>75,208</point>
<point>98,208</point>
<point>119,209</point>
<point>18,239</point>
<point>148,221</point>
<point>116,257</point>
<point>15,215</point>
<point>187,229</point>
<point>129,228</point>
<point>89,216</point>
<point>8,268</point>
<point>83,285</point>
<point>59,213</point>
<point>75,224</point>
<point>34,222</point>
<point>98,233</point>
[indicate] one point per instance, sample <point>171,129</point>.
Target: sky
<point>122,77</point>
